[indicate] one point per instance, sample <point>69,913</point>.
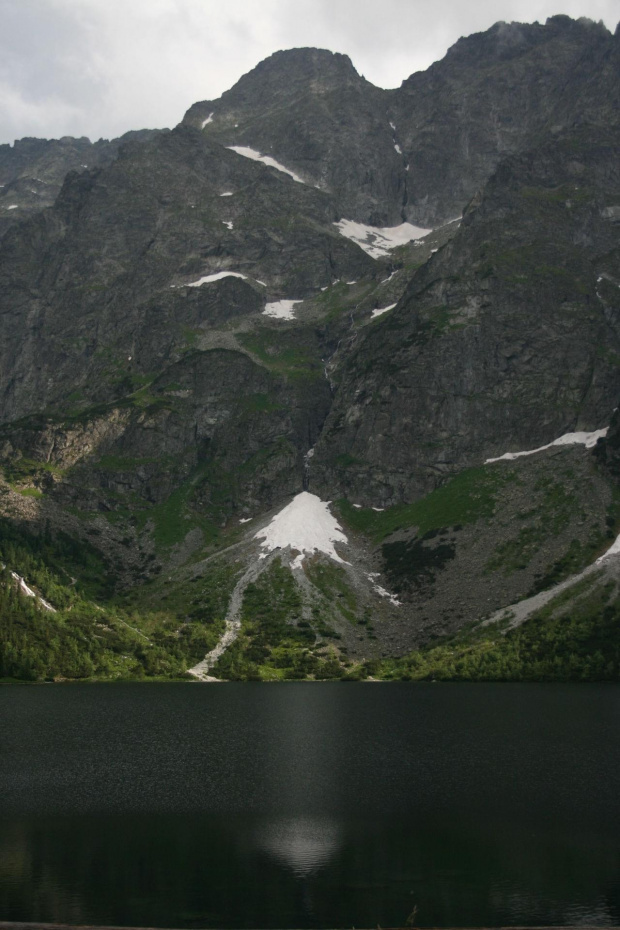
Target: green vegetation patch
<point>275,642</point>
<point>578,642</point>
<point>527,263</point>
<point>467,498</point>
<point>582,553</point>
<point>546,199</point>
<point>173,518</point>
<point>331,580</point>
<point>158,631</point>
<point>57,561</point>
<point>432,323</point>
<point>271,643</point>
<point>554,507</point>
<point>294,353</point>
<point>414,563</point>
<point>258,403</point>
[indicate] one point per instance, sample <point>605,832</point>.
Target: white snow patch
<point>206,121</point>
<point>227,223</point>
<point>568,439</point>
<point>262,283</point>
<point>23,587</point>
<point>377,241</point>
<point>265,159</point>
<point>398,148</point>
<point>381,591</point>
<point>606,277</point>
<point>376,313</point>
<point>393,127</point>
<point>306,525</point>
<point>13,206</point>
<point>614,549</point>
<point>357,506</point>
<point>385,281</point>
<point>379,509</point>
<point>245,519</point>
<point>215,277</point>
<point>281,309</point>
<point>227,194</point>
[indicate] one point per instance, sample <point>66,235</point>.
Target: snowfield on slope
<point>614,549</point>
<point>265,159</point>
<point>27,591</point>
<point>376,313</point>
<point>378,241</point>
<point>218,276</point>
<point>588,440</point>
<point>207,279</point>
<point>306,525</point>
<point>281,309</point>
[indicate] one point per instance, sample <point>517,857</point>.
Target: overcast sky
<point>101,67</point>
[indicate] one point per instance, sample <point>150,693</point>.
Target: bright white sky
<point>101,67</point>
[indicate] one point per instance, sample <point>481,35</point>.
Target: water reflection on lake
<point>303,805</point>
<point>301,844</point>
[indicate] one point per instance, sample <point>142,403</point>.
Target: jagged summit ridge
<point>419,152</point>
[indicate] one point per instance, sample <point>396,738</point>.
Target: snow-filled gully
<point>28,592</point>
<point>305,525</point>
<point>265,160</point>
<point>281,309</point>
<point>589,440</point>
<point>378,241</point>
<point>232,627</point>
<point>519,612</point>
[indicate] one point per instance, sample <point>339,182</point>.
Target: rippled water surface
<point>310,805</point>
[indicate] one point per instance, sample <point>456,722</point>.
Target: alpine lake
<point>304,805</point>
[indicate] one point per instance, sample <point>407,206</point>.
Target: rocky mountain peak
<point>284,76</point>
<point>505,41</point>
<point>303,64</point>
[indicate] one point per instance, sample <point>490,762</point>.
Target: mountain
<point>32,170</point>
<point>421,152</point>
<point>316,290</point>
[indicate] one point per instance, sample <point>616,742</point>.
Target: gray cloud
<point>101,67</point>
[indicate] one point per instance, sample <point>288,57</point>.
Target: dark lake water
<point>310,805</point>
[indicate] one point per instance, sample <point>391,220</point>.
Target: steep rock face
<point>493,95</point>
<point>95,294</point>
<point>32,170</point>
<point>106,324</point>
<point>507,338</point>
<point>311,110</point>
<point>215,420</point>
<point>419,153</point>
